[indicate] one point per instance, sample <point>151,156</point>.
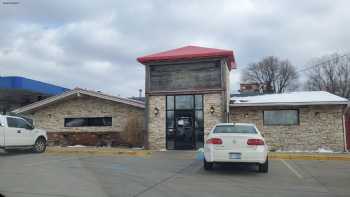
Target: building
<point>187,93</point>
<point>19,91</point>
<point>296,120</point>
<point>87,117</point>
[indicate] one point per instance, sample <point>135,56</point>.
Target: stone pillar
<point>210,119</point>
<point>156,122</point>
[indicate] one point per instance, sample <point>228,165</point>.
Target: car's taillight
<point>214,141</point>
<point>255,142</point>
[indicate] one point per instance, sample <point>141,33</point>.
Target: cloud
<point>95,45</point>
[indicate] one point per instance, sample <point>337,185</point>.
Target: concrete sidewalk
<point>97,151</point>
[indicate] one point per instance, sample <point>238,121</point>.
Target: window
<point>17,123</point>
<point>281,117</point>
<point>184,102</point>
<point>11,122</point>
<point>88,122</point>
<point>235,129</point>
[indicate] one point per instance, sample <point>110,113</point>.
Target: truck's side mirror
<point>29,126</point>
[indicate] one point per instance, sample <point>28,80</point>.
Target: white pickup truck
<point>18,133</point>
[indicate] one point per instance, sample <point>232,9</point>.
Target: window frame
<point>87,120</point>
<point>193,109</point>
<point>298,117</point>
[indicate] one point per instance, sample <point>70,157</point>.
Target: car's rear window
<point>235,129</point>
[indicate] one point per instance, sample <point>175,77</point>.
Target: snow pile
<point>323,150</point>
<point>77,146</point>
<point>291,97</point>
<point>319,150</point>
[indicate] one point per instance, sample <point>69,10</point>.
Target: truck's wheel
<point>40,145</point>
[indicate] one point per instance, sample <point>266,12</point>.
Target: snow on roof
<point>291,98</point>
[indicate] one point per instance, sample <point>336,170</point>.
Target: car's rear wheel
<point>207,165</point>
<point>264,168</point>
<point>40,145</point>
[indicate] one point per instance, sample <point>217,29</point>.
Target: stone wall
<point>210,119</point>
<point>319,127</point>
<point>86,138</point>
<point>51,118</point>
<point>156,123</point>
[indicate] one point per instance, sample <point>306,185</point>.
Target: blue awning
<point>22,83</point>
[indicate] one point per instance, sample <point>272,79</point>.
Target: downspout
<point>346,109</point>
<point>145,136</point>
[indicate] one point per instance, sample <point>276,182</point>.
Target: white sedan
<point>235,142</point>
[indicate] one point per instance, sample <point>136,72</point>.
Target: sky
<point>94,44</point>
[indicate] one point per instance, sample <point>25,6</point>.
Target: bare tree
<point>330,73</point>
<point>278,75</point>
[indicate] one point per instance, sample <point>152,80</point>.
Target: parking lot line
<point>292,169</point>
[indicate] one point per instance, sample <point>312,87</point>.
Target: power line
<point>322,63</point>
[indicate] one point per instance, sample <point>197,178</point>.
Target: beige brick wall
<point>316,130</point>
<point>156,123</point>
<point>51,118</point>
<point>217,101</point>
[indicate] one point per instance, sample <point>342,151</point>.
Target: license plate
<point>235,155</point>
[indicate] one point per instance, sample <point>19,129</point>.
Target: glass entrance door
<point>184,129</point>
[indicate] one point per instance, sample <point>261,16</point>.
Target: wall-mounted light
<point>245,115</point>
<point>212,109</point>
<point>156,111</point>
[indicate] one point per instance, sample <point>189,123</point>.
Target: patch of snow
<point>323,150</point>
<point>319,150</point>
<point>77,146</point>
<point>137,148</point>
<point>290,97</point>
<point>162,150</point>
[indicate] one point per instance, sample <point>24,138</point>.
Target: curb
<point>310,156</point>
<point>92,151</point>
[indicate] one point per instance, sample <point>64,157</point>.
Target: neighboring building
<point>187,93</point>
<point>87,117</point>
<point>295,121</point>
<point>19,91</point>
<point>254,88</point>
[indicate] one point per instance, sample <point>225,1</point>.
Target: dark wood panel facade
<point>184,77</point>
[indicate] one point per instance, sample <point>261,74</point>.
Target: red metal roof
<point>189,52</point>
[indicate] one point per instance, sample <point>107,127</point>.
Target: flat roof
<point>188,53</point>
<point>22,83</point>
<point>290,98</point>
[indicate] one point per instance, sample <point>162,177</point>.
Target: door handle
<point>19,131</point>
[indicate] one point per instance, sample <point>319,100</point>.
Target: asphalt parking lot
<point>172,173</point>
